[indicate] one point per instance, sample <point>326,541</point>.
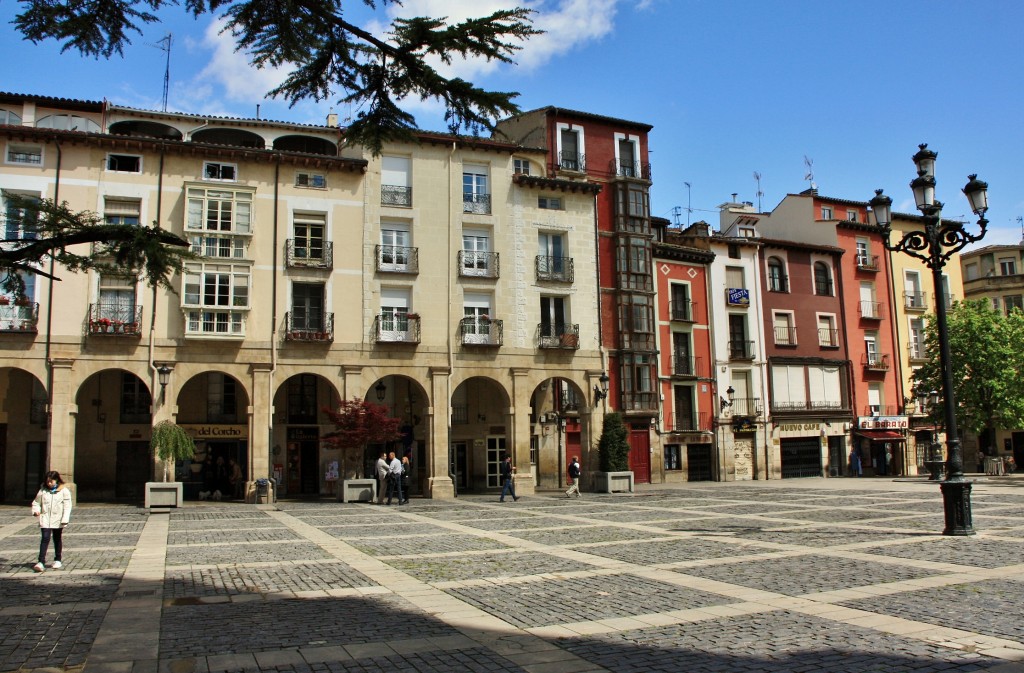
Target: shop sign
<point>207,431</point>
<point>738,296</point>
<point>882,422</point>
<point>694,439</point>
<point>800,428</point>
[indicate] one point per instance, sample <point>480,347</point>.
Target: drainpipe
<point>154,376</point>
<point>188,135</point>
<point>49,317</point>
<point>273,319</point>
<point>451,353</point>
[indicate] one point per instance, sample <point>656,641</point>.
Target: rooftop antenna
<point>757,178</point>
<point>165,46</point>
<point>809,175</point>
<point>675,215</point>
<point>1020,222</point>
<point>689,210</point>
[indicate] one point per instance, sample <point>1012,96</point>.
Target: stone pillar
<point>62,414</point>
<point>260,423</point>
<point>518,421</point>
<point>352,382</point>
<point>439,483</point>
<point>164,409</point>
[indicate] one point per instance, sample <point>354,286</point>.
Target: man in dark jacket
<point>508,473</point>
<point>574,477</point>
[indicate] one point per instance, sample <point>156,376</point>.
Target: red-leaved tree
<point>358,423</point>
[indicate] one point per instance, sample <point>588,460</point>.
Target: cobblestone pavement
<point>813,575</point>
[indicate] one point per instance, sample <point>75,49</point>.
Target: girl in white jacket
<point>53,507</point>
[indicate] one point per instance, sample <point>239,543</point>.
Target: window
<point>551,262</point>
<point>740,348</point>
<point>789,391</point>
<point>851,216</point>
<point>219,210</point>
<point>874,399</point>
<point>637,381</point>
<point>681,308</point>
<point>124,163</point>
<point>476,197</point>
<point>685,416</point>
<point>627,155</point>
<point>9,118</point>
<point>1013,303</point>
<point>65,122</point>
<point>521,166</point>
<point>777,281</point>
<point>221,398</point>
<point>912,290</point>
<point>396,181</point>
<point>785,332</point>
<point>1007,266</point>
<point>863,252</point>
<point>553,317</point>
<point>822,279</point>
<point>116,299</point>
<point>673,459</point>
<point>20,219</point>
<point>871,348</point>
<point>825,386</point>
<point>571,152</point>
<point>734,251</point>
<point>734,277</point>
<point>24,154</point>
<point>476,255</point>
<point>216,298</point>
<point>476,324</point>
<point>971,271</point>
<point>869,308</point>
<point>633,263</point>
<point>995,303</point>
<point>219,171</point>
<point>828,336</point>
<point>121,211</point>
<point>826,212</point>
<point>636,322</point>
<point>916,344</point>
<point>135,399</point>
<point>310,236</point>
<point>311,180</point>
<point>394,313</point>
<point>394,246</point>
<point>549,203</point>
<point>682,355</point>
<point>307,307</point>
<point>302,399</point>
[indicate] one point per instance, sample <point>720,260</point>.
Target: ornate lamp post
<point>939,241</point>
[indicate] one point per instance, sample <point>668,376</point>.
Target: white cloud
<point>230,71</point>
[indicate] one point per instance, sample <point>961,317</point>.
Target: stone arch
<point>23,421</point>
<point>229,136</point>
<point>145,129</point>
<point>481,432</point>
<point>559,429</point>
<point>306,145</point>
<point>297,455</point>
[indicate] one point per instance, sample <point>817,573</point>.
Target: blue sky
<point>731,87</point>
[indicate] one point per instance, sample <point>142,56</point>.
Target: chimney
<point>332,119</point>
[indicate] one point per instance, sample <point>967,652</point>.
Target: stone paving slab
<point>56,587</point>
<point>485,566</point>
<point>243,553</point>
<point>234,580</point>
<point>976,551</point>
<point>242,536</point>
<point>673,551</point>
<point>58,640</point>
<point>428,544</point>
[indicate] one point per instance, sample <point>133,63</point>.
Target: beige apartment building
<point>449,279</point>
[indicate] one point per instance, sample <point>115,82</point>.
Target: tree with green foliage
<point>171,442</point>
<point>47,231</point>
<point>327,54</point>
<point>613,447</point>
<point>987,352</point>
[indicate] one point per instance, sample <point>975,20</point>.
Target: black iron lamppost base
<point>956,502</point>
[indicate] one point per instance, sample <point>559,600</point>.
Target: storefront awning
<point>882,435</point>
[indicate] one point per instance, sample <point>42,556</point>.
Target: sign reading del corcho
<point>209,431</point>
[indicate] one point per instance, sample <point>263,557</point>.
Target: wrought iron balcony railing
<point>572,161</point>
<point>629,169</point>
<point>784,406</point>
<point>639,401</point>
<point>875,362</point>
<point>867,263</point>
<point>682,310</point>
<point>393,195</point>
<point>915,301</point>
<point>785,336</point>
<point>880,410</point>
<point>687,366</point>
<point>871,310</point>
<point>397,259</point>
<point>115,319</point>
<point>476,203</point>
<point>558,269</point>
<point>558,335</point>
<point>480,332</point>
<point>22,318</point>
<point>741,350</point>
<point>474,264</point>
<point>746,406</point>
<point>568,401</point>
<point>309,254</point>
<point>397,328</point>
<point>696,422</point>
<point>309,326</point>
<point>823,288</point>
<point>828,337</point>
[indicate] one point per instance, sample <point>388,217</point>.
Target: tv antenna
<point>1020,223</point>
<point>689,210</point>
<point>675,215</point>
<point>757,178</point>
<point>809,175</point>
<point>164,45</point>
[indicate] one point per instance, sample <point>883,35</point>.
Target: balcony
<point>746,406</point>
<point>915,301</point>
<point>115,320</point>
<point>881,410</point>
<point>555,269</point>
<point>479,204</point>
<point>309,255</point>
<point>481,332</point>
<point>560,336</point>
<point>478,264</point>
<point>682,310</point>
<point>828,337</point>
<point>870,310</point>
<point>396,328</point>
<point>629,169</point>
<point>785,336</point>
<point>639,401</point>
<point>568,402</point>
<point>916,351</point>
<point>393,195</point>
<point>875,362</point>
<point>21,317</point>
<point>396,259</point>
<point>309,328</point>
<point>823,288</point>
<point>687,367</point>
<point>741,350</point>
<point>867,263</point>
<point>791,406</point>
<point>696,422</point>
<point>572,161</point>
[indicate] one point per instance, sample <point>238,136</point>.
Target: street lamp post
<point>939,241</point>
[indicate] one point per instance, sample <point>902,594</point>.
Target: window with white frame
<point>551,262</point>
<point>917,333</point>
<point>549,203</point>
<point>476,309</point>
<point>1007,266</point>
<point>826,212</point>
<point>822,279</point>
<point>874,358</point>
<point>121,211</point>
<point>476,257</point>
<point>851,215</point>
<point>310,180</point>
<point>863,252</point>
<point>216,298</point>
<point>789,392</point>
<point>553,316</point>
<point>828,335</point>
<point>627,155</point>
<point>521,166</point>
<point>20,218</point>
<point>219,221</point>
<point>869,308</point>
<point>124,163</point>
<point>215,170</point>
<point>571,151</point>
<point>777,281</point>
<point>874,399</point>
<point>307,307</point>
<point>914,297</point>
<point>395,246</point>
<point>825,386</point>
<point>116,299</point>
<point>396,181</point>
<point>785,332</point>
<point>476,196</point>
<point>9,118</point>
<point>66,122</point>
<point>19,153</point>
<point>310,230</point>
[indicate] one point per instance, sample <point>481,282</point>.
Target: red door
<point>640,453</point>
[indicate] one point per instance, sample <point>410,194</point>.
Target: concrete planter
<point>164,494</point>
<point>358,490</point>
<point>613,482</point>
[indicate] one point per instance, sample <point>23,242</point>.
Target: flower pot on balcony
<point>570,340</point>
<point>5,301</point>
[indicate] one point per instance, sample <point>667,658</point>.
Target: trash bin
<point>262,491</point>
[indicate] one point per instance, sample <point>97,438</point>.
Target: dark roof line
<point>552,109</point>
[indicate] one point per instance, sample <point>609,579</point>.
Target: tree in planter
<point>357,424</point>
<point>613,447</point>
<point>170,441</point>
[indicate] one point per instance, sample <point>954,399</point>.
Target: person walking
<point>406,478</point>
<point>395,478</point>
<point>573,473</point>
<point>235,479</point>
<point>382,476</point>
<point>508,474</point>
<point>52,506</point>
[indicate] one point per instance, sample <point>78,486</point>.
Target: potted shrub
<point>357,424</point>
<point>613,457</point>
<point>171,443</point>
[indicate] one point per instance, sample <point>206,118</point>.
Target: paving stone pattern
<point>808,576</point>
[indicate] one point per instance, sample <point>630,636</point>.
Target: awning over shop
<point>882,435</point>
